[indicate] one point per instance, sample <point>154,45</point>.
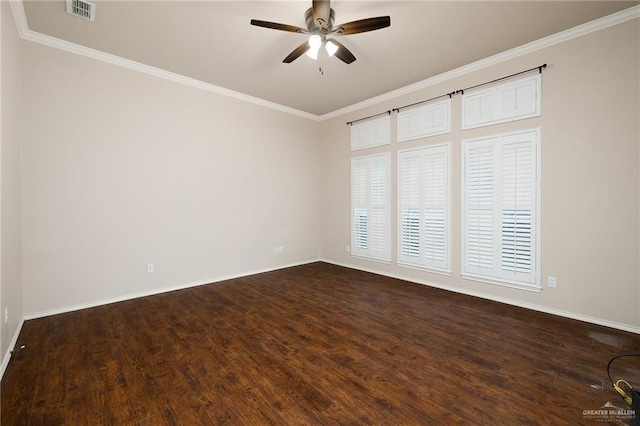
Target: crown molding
<point>566,35</point>
<point>25,33</point>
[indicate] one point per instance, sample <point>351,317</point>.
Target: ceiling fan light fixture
<point>320,18</point>
<point>315,42</point>
<point>331,48</point>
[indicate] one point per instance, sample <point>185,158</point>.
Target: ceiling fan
<point>319,18</point>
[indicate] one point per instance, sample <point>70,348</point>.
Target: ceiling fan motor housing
<point>313,26</point>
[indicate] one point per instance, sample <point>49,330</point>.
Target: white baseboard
<point>71,308</point>
<point>532,306</point>
<point>152,292</point>
<point>12,344</point>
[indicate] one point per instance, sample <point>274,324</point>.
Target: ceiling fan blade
<point>363,25</point>
<point>276,26</point>
<point>297,52</point>
<point>321,12</point>
<point>343,53</point>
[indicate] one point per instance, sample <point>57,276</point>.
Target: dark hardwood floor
<point>315,344</point>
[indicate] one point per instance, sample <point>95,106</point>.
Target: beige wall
<point>590,164</point>
<point>10,212</point>
<point>122,169</point>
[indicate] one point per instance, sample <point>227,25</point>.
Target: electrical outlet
<point>552,282</point>
<point>348,248</point>
<point>6,314</point>
<point>150,268</point>
<point>280,249</point>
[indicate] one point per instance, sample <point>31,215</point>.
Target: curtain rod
<point>539,68</point>
<point>450,94</point>
<point>366,118</point>
<point>422,102</point>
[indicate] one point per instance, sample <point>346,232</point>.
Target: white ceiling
<point>212,41</point>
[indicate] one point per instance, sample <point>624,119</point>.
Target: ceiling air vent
<point>83,9</point>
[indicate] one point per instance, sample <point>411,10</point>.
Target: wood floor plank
<point>17,404</point>
<point>49,390</point>
<point>164,417</point>
<point>315,344</point>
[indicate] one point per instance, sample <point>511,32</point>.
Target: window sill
<point>510,284</point>
<point>444,272</point>
<point>372,259</point>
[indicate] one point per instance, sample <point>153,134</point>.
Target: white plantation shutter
<point>370,201</point>
<point>478,109</point>
<point>379,230</point>
<point>409,191</point>
<point>426,120</point>
<point>435,208</point>
<point>423,207</point>
<point>518,192</point>
<point>520,99</point>
<point>360,192</point>
<point>513,100</point>
<point>370,133</point>
<point>500,208</point>
<point>479,208</point>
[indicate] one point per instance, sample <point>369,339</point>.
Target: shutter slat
<point>370,198</point>
<point>423,207</point>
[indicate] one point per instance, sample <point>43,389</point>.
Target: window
<point>500,209</point>
<point>370,133</point>
<point>426,120</point>
<point>370,181</point>
<point>505,102</point>
<point>423,208</point>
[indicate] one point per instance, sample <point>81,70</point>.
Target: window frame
<point>497,141</point>
<point>497,107</point>
<point>443,267</point>
<point>369,253</point>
